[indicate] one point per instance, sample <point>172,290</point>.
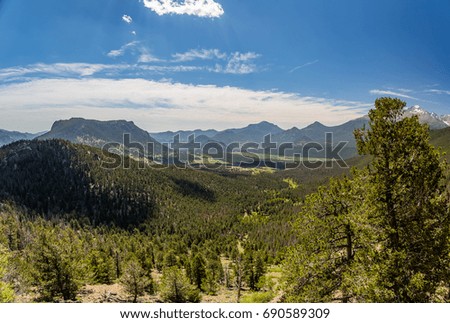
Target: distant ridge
<point>251,133</point>
<point>7,137</point>
<point>97,133</point>
<point>432,119</point>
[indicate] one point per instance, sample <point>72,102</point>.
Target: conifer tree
<point>410,203</point>
<point>6,290</point>
<point>135,280</point>
<point>333,238</point>
<point>57,263</point>
<point>198,271</point>
<point>175,287</point>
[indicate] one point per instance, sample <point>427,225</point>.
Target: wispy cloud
<point>127,19</point>
<point>436,91</point>
<point>393,93</point>
<point>58,69</point>
<point>220,62</point>
<point>200,8</point>
<point>402,90</point>
<point>135,47</point>
<point>227,63</point>
<point>144,64</point>
<point>80,70</point>
<point>157,106</point>
<point>239,63</point>
<point>202,54</point>
<point>122,50</point>
<point>304,65</point>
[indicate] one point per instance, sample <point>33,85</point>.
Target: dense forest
<point>376,233</point>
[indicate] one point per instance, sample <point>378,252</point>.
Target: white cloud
<point>147,58</point>
<point>234,63</point>
<point>203,54</point>
<point>127,19</point>
<point>240,63</point>
<point>393,93</point>
<point>158,106</point>
<point>200,8</point>
<point>59,69</point>
<point>135,47</point>
<point>435,91</point>
<point>122,50</point>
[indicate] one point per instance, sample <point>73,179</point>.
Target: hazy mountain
<point>446,119</point>
<point>7,137</point>
<point>97,133</point>
<point>168,136</point>
<point>430,118</point>
<point>294,135</point>
<point>251,133</point>
<point>316,132</point>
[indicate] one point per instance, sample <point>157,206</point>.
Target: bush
<point>258,297</point>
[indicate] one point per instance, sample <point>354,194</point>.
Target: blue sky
<point>184,64</point>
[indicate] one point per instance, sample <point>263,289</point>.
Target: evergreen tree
<point>170,259</point>
<point>6,290</point>
<point>135,280</point>
<point>102,267</point>
<point>209,283</point>
<point>410,203</point>
<point>238,273</point>
<point>197,270</point>
<point>56,260</point>
<point>333,238</point>
<point>382,235</point>
<point>253,269</point>
<point>175,287</point>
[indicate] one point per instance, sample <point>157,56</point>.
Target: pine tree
<point>135,280</point>
<point>382,235</point>
<point>198,270</point>
<point>333,238</point>
<point>170,259</point>
<point>254,269</point>
<point>410,203</point>
<point>209,283</point>
<point>238,273</point>
<point>175,287</point>
<point>102,267</point>
<point>6,290</point>
<point>56,260</point>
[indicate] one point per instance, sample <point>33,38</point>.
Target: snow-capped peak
<point>416,110</point>
<point>430,118</point>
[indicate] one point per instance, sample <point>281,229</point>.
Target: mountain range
<point>432,119</point>
<point>7,137</point>
<point>97,133</point>
<point>315,132</point>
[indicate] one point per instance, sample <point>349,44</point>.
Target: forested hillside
<point>58,201</point>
